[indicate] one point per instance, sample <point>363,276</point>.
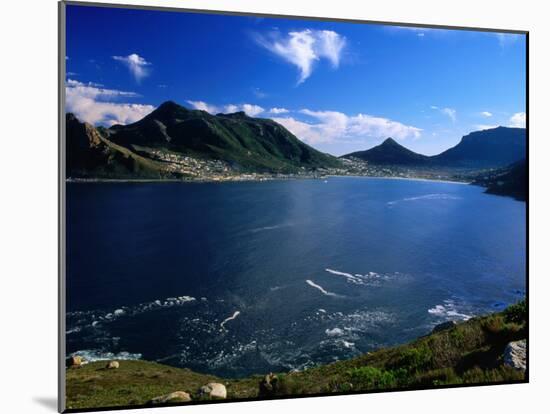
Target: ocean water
<point>242,278</point>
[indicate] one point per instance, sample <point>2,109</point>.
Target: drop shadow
<point>48,402</point>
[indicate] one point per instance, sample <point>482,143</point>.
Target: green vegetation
<point>468,353</point>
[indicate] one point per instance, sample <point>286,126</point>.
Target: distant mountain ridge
<point>496,147</point>
<point>490,148</point>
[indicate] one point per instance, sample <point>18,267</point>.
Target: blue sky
<point>340,87</point>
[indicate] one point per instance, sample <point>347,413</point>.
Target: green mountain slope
<point>244,142</point>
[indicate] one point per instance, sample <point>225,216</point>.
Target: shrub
<point>415,359</point>
<point>516,313</point>
<point>371,377</point>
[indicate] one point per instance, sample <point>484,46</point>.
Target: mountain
<point>510,181</point>
<point>496,147</point>
<point>490,148</point>
<point>389,152</point>
<point>90,155</point>
<point>246,143</point>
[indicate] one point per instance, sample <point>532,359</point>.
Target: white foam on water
<point>334,332</point>
<point>348,276</point>
<point>94,317</point>
<point>237,313</point>
<point>320,288</point>
<point>266,228</point>
<point>92,355</point>
<point>449,310</point>
<point>437,196</point>
<point>367,279</point>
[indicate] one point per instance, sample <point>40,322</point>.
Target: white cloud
<point>333,126</point>
<point>136,64</point>
<point>249,109</point>
<point>278,111</point>
<point>486,114</point>
<point>450,112</point>
<point>518,120</point>
<point>203,106</point>
<point>303,48</point>
<point>483,126</point>
<point>98,106</point>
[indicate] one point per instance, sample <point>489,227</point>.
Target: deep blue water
<point>317,270</point>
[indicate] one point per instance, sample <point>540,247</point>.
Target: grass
<point>468,353</point>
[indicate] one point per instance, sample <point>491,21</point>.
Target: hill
<point>389,152</point>
<point>489,148</point>
<point>90,155</point>
<point>246,143</point>
<point>509,181</point>
<point>470,352</point>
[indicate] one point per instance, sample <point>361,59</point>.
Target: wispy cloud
<point>303,48</point>
<point>450,112</point>
<point>484,126</point>
<point>334,126</point>
<point>100,106</point>
<point>278,111</point>
<point>486,114</point>
<point>518,120</point>
<point>136,64</point>
<point>249,109</point>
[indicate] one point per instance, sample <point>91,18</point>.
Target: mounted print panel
<point>258,207</point>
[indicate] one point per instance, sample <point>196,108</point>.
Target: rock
<point>113,365</point>
<point>214,390</point>
<point>172,398</point>
<point>444,326</point>
<point>75,361</point>
<point>269,386</point>
<point>515,355</point>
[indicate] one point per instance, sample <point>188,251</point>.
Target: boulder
<point>269,386</point>
<point>113,365</point>
<point>444,326</point>
<point>75,361</point>
<point>515,355</point>
<point>172,398</point>
<point>214,390</point>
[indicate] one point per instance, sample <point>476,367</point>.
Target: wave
<point>320,288</point>
<point>266,228</point>
<point>78,320</point>
<point>436,196</point>
<point>237,313</point>
<point>93,355</point>
<point>367,279</point>
<point>334,332</point>
<point>449,310</point>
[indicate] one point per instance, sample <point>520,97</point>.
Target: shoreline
<point>405,178</point>
<point>252,179</point>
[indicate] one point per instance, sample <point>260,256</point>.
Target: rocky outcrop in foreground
<point>515,355</point>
